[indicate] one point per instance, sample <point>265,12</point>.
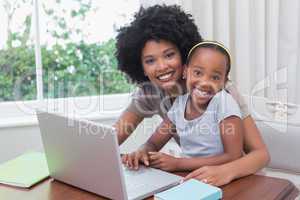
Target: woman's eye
<point>197,73</point>
<point>170,54</point>
<point>149,61</point>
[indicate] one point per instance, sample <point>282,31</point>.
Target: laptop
<point>86,154</point>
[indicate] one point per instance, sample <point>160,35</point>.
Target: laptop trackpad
<point>147,181</point>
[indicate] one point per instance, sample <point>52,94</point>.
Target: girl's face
<point>205,75</point>
<point>162,63</point>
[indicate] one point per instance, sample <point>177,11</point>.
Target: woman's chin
<point>168,86</point>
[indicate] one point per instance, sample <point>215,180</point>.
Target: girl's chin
<point>200,101</point>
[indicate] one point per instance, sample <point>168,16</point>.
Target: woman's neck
<point>178,89</point>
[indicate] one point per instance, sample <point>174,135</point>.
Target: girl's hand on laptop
<point>163,161</point>
<point>132,160</point>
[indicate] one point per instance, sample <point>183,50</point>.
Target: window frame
<point>102,107</point>
<point>22,113</point>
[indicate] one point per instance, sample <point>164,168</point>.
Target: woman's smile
<point>162,64</point>
<point>166,76</point>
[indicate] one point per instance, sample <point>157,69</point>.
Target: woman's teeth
<point>165,76</point>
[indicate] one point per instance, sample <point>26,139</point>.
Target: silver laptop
<point>86,155</point>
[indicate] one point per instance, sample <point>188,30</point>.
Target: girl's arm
<point>256,158</point>
<point>159,138</point>
<point>231,134</point>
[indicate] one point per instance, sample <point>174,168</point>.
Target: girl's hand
<point>214,175</point>
<point>163,161</point>
<point>132,160</point>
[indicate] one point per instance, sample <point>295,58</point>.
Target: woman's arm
<point>257,156</point>
<point>126,124</point>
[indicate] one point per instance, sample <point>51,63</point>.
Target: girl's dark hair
<point>159,22</point>
<point>215,46</point>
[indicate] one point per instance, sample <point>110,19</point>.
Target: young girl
<point>207,118</point>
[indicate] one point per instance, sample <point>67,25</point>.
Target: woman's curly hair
<point>159,22</point>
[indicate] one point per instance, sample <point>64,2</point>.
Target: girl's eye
<point>216,78</point>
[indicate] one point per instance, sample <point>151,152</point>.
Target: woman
<point>152,51</point>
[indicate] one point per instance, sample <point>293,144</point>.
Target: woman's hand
<point>133,159</point>
<point>214,175</point>
<point>163,161</point>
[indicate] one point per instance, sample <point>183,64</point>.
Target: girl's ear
<point>184,71</point>
<point>226,79</point>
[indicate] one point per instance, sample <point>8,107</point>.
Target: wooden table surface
<point>254,187</point>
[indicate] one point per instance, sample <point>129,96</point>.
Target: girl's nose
<point>205,82</point>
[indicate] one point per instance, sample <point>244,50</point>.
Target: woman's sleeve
<point>231,89</point>
<point>173,112</point>
<point>140,104</point>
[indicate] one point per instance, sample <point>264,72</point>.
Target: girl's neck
<point>192,110</point>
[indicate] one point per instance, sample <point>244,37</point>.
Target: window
<point>57,49</point>
<point>77,43</point>
<point>17,58</point>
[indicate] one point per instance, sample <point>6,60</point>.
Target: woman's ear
<point>145,73</point>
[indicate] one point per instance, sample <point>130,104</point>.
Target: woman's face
<point>162,63</point>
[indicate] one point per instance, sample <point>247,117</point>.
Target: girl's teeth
<point>201,93</point>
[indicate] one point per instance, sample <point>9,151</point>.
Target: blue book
<point>191,190</point>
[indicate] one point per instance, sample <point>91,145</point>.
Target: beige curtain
<point>263,36</point>
<point>264,39</point>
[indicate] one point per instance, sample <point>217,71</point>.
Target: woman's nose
<point>161,64</point>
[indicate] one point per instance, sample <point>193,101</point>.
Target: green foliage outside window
<point>72,69</point>
<point>17,78</point>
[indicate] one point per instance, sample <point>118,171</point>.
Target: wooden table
<point>254,187</point>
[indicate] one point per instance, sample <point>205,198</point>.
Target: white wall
<point>17,140</point>
<point>14,141</point>
<point>18,125</point>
